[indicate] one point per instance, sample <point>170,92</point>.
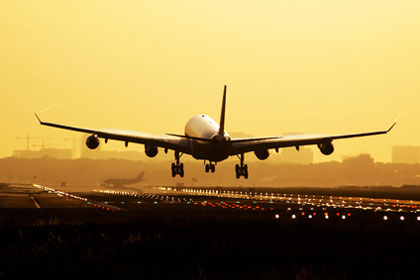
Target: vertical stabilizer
<point>222,115</point>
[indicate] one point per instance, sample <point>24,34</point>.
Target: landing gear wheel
<point>176,167</point>
<point>241,169</point>
<point>207,168</point>
<point>212,168</point>
<point>173,169</point>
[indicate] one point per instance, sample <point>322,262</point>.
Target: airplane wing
<point>165,141</point>
<point>244,145</point>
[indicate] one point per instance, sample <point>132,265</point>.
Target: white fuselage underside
<point>204,127</point>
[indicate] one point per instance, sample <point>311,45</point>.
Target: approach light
<point>277,216</point>
<point>293,216</point>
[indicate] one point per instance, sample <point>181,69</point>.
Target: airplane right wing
<point>165,141</point>
<point>244,145</point>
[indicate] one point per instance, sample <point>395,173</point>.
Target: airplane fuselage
<point>217,148</point>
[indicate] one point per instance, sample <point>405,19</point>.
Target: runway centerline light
<point>277,216</point>
<point>293,216</point>
<point>402,218</point>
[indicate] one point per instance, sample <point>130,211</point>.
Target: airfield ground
<point>205,233</point>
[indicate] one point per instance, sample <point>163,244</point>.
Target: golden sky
<point>291,66</point>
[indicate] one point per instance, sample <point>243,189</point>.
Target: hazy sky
<point>291,66</point>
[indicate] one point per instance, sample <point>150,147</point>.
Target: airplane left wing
<point>244,145</point>
<point>165,141</point>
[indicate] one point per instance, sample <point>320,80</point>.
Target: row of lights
<point>343,217</point>
<point>315,198</point>
<point>63,194</point>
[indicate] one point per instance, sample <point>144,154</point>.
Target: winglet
<point>222,115</point>
<point>395,122</point>
<point>392,126</point>
<point>38,118</point>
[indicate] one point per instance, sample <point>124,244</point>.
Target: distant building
<point>363,161</point>
<point>47,152</point>
<point>98,153</point>
<point>127,155</point>
<point>405,154</point>
<point>291,155</point>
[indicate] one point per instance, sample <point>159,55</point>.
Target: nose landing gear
<point>242,169</point>
<point>176,167</point>
<point>210,167</point>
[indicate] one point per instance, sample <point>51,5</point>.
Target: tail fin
<point>222,115</point>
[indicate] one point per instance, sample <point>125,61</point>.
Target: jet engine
<point>326,148</point>
<point>151,151</point>
<point>92,142</point>
<point>262,154</point>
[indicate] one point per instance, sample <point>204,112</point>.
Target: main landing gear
<point>176,167</point>
<point>242,169</point>
<point>210,167</point>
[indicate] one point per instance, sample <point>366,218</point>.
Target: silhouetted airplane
<point>121,183</point>
<point>206,140</point>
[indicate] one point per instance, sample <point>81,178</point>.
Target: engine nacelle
<point>326,148</point>
<point>151,151</point>
<point>92,142</point>
<point>262,154</point>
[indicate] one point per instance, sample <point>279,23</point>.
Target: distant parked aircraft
<point>206,140</point>
<point>121,183</point>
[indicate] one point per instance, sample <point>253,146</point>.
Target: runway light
<point>310,216</point>
<point>402,218</point>
<point>343,217</point>
<point>277,216</point>
<point>293,216</point>
<point>303,213</point>
<point>418,218</point>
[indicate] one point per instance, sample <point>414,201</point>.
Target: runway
<point>277,205</point>
<point>219,231</point>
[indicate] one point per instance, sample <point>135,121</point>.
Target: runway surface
<point>277,204</point>
<point>204,233</point>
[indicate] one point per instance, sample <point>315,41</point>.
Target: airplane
<point>121,183</point>
<point>205,139</point>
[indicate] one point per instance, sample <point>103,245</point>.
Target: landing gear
<point>242,169</point>
<point>176,167</point>
<point>210,167</point>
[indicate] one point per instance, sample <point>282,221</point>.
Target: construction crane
<point>27,138</point>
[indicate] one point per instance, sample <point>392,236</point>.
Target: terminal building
<point>42,153</point>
